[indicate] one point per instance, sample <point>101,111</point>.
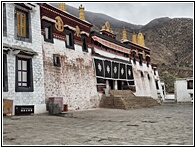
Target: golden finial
<point>134,38</point>
<point>62,6</point>
<point>106,27</point>
<point>81,12</point>
<point>140,39</point>
<point>124,34</point>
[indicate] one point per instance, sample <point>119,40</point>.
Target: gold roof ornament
<point>59,25</point>
<point>77,33</point>
<point>134,38</point>
<point>81,12</point>
<point>140,39</point>
<point>124,34</point>
<point>62,6</point>
<point>106,27</point>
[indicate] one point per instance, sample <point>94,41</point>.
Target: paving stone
<point>104,127</point>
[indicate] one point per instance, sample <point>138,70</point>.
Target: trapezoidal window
<point>22,24</point>
<point>48,36</point>
<point>157,84</point>
<point>134,57</point>
<point>84,43</point>
<point>24,75</point>
<point>5,74</point>
<point>57,60</point>
<point>190,84</point>
<point>4,20</point>
<point>69,39</point>
<point>140,59</point>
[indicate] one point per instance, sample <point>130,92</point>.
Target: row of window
<point>140,59</point>
<point>22,19</point>
<point>142,75</point>
<point>48,37</point>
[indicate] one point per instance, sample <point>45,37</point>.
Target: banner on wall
<point>122,71</point>
<point>99,67</point>
<point>115,70</point>
<point>108,69</point>
<point>129,72</point>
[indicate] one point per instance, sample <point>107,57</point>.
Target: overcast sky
<point>139,13</point>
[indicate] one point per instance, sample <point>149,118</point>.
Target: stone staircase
<point>125,99</point>
<point>169,101</point>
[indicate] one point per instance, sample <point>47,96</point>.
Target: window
<point>48,37</point>
<point>140,58</point>
<point>24,75</point>
<point>22,23</point>
<point>157,85</point>
<point>134,59</point>
<point>84,43</point>
<point>154,71</point>
<point>69,39</point>
<point>147,61</point>
<point>5,76</point>
<point>190,84</point>
<point>148,76</point>
<point>142,75</point>
<point>147,64</point>
<point>56,60</point>
<point>4,20</point>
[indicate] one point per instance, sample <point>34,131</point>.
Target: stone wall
<point>75,80</point>
<point>37,97</point>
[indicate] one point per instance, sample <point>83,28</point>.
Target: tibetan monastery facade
<point>124,65</point>
<point>68,64</point>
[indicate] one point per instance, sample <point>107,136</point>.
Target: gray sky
<point>139,12</point>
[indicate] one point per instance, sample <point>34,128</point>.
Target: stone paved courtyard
<point>170,124</point>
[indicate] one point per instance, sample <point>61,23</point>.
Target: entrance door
<point>119,85</point>
<point>111,84</point>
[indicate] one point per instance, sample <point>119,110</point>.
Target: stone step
<point>169,101</point>
<point>125,99</point>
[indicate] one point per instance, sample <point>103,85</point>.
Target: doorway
<point>111,84</point>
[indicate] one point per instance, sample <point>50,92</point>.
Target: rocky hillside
<point>170,41</point>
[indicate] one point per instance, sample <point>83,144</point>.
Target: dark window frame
<point>50,31</point>
<point>157,84</point>
<point>154,71</point>
<point>56,60</point>
<point>71,38</point>
<point>29,87</point>
<point>134,57</point>
<point>142,74</point>
<point>148,76</point>
<point>28,37</point>
<point>147,61</point>
<point>84,43</point>
<point>5,73</point>
<point>140,59</point>
<point>4,20</point>
<point>189,84</point>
